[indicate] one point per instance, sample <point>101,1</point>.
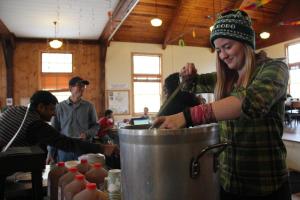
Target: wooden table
<point>295,105</point>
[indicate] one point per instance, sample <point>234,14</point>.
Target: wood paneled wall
<point>27,69</point>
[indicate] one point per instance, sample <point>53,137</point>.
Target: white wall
<point>118,61</point>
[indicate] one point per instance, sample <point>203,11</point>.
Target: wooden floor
<point>292,131</point>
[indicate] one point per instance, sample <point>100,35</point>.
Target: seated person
<point>181,101</point>
<point>106,124</point>
<point>288,102</point>
<point>145,115</point>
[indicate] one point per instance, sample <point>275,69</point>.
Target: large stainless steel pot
<point>160,164</point>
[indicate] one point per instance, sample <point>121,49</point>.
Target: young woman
<point>250,90</point>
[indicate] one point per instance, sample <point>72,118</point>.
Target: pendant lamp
<point>55,43</point>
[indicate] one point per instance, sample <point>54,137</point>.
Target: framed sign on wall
<point>118,101</point>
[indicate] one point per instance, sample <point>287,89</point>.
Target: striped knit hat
<point>235,25</point>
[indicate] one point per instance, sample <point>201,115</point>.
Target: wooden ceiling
<point>130,21</point>
<point>183,17</point>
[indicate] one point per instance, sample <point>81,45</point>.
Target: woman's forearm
<point>227,109</point>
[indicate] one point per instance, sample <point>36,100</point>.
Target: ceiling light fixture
<point>156,22</point>
<point>55,43</point>
<point>264,35</point>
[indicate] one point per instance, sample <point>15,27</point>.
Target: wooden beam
<point>3,29</point>
<point>283,33</point>
<point>121,12</point>
<point>172,24</point>
<point>8,51</point>
<point>103,51</point>
<point>289,11</point>
<point>279,34</point>
<point>123,9</point>
<point>6,35</point>
<point>42,40</point>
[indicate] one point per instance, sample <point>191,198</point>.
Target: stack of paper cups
<point>114,184</point>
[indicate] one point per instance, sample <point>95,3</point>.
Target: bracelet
<point>187,117</point>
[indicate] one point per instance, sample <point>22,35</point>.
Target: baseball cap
<point>77,80</point>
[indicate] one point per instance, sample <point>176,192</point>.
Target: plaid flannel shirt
<point>255,163</point>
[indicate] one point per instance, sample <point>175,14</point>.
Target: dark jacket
<point>37,132</point>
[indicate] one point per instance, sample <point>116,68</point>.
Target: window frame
<point>45,74</point>
<point>159,77</point>
<point>296,64</point>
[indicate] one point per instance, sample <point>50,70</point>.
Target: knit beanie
<point>235,25</point>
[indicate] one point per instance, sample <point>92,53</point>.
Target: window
<point>61,96</point>
<point>56,63</point>
<point>293,51</point>
<point>146,77</point>
<point>56,70</point>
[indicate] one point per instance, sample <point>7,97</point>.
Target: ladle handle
<point>195,165</point>
<point>169,99</point>
<point>166,103</point>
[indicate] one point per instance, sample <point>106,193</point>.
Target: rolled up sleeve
<point>268,87</point>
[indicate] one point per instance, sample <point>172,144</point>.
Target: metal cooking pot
<point>162,164</point>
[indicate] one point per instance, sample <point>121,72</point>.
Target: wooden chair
<point>295,111</point>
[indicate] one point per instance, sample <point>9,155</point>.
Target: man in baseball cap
<point>75,117</point>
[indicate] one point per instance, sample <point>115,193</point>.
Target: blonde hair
<point>227,77</point>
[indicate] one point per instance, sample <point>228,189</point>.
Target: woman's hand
<point>188,71</point>
<point>170,122</point>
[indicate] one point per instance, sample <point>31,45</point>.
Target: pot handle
<point>195,165</point>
